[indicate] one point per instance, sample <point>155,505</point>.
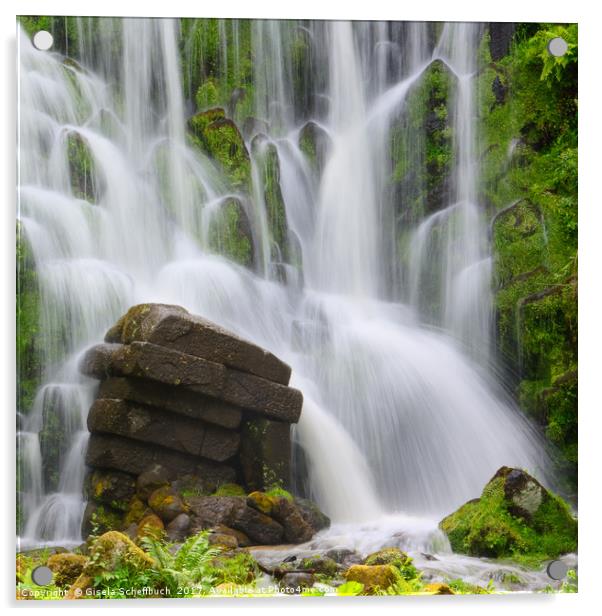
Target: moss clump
<point>230,489</point>
<point>81,168</point>
<point>274,202</point>
<point>230,233</point>
<point>207,95</point>
<point>314,142</point>
<point>278,492</point>
<point>66,568</point>
<point>515,517</point>
<point>221,140</point>
<point>263,502</point>
<point>322,565</point>
<point>240,568</point>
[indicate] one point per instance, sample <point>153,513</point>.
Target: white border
<point>590,105</point>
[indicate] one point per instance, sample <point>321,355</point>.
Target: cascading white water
<point>397,417</point>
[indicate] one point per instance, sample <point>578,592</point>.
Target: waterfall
<point>402,412</point>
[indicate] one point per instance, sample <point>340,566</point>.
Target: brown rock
<point>152,425</point>
<point>119,453</point>
<point>175,328</point>
<point>172,398</point>
<point>296,529</point>
<point>96,362</point>
<point>150,526</point>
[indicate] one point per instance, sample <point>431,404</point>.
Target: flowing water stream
<point>404,418</point>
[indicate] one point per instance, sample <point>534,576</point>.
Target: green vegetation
<point>230,233</point>
<point>516,518</point>
<point>528,106</point>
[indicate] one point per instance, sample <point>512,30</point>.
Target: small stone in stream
<point>320,564</point>
<point>150,480</point>
<point>387,556</point>
<point>166,503</point>
<point>428,556</point>
<point>295,583</point>
<point>290,559</point>
<point>177,529</point>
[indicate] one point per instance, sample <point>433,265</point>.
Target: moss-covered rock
<point>107,553</point>
<point>515,517</point>
<point>66,568</point>
<point>166,503</point>
<point>374,577</point>
<point>150,525</point>
<point>82,173</point>
<point>320,564</point>
<point>136,510</point>
<point>99,518</point>
<point>315,143</point>
<point>207,95</point>
<point>111,488</point>
<point>230,232</point>
<point>262,502</point>
<point>221,140</point>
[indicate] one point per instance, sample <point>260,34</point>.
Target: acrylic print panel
<point>296,308</point>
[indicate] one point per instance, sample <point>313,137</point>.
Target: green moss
<point>81,168</point>
<point>241,568</point>
<point>230,233</point>
<point>529,157</point>
<point>221,140</point>
<point>207,95</point>
<point>278,492</point>
<point>230,489</point>
<point>29,369</point>
<point>490,526</point>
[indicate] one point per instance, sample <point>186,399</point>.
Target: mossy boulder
<point>136,510</point>
<point>151,525</point>
<point>109,552</point>
<point>111,488</point>
<point>438,588</point>
<point>320,564</point>
<point>166,503</point>
<point>230,232</point>
<point>373,577</point>
<point>66,568</point>
<point>314,142</point>
<point>262,502</point>
<point>515,517</point>
<point>207,95</point>
<point>221,140</point>
<point>387,556</point>
<point>82,171</point>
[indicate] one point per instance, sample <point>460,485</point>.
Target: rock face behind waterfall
<point>188,420</point>
<point>514,517</point>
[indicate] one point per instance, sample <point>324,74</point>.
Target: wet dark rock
<point>175,399</point>
<point>499,90</point>
<point>119,453</point>
<point>296,582</point>
<point>152,425</point>
<point>265,450</point>
<point>151,479</point>
<point>501,34</point>
<point>111,488</point>
<point>344,556</point>
<point>315,518</point>
<point>252,126</point>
